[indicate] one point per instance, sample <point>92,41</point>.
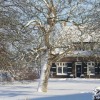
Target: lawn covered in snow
<point>58,89</point>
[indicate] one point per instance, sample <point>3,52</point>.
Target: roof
<point>73,34</point>
<point>80,53</point>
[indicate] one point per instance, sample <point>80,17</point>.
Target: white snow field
<point>58,89</point>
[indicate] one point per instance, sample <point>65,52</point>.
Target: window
<point>89,63</point>
<point>93,64</point>
<point>65,70</point>
<point>90,68</point>
<point>63,64</point>
<point>61,68</point>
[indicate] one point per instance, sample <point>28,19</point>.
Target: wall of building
<point>76,67</point>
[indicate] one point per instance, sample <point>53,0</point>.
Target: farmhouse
<point>77,66</point>
<point>83,61</point>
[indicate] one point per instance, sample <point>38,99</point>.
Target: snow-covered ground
<point>58,89</point>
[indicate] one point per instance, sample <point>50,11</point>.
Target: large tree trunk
<point>45,71</point>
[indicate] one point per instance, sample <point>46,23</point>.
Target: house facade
<point>84,61</point>
<point>76,67</point>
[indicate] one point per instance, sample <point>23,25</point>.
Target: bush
<point>26,74</point>
<point>5,76</point>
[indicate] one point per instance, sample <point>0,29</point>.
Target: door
<point>78,70</point>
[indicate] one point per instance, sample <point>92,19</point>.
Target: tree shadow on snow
<point>81,96</point>
<point>12,93</point>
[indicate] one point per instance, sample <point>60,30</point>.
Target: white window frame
<point>90,65</point>
<point>61,65</point>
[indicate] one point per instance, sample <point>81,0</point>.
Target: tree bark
<point>45,71</point>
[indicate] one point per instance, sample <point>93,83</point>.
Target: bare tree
<point>51,14</point>
<point>15,40</point>
<point>45,19</point>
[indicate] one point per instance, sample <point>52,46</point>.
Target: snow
<point>58,89</point>
<point>73,33</point>
<point>82,53</point>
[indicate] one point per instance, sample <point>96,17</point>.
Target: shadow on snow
<point>81,96</point>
